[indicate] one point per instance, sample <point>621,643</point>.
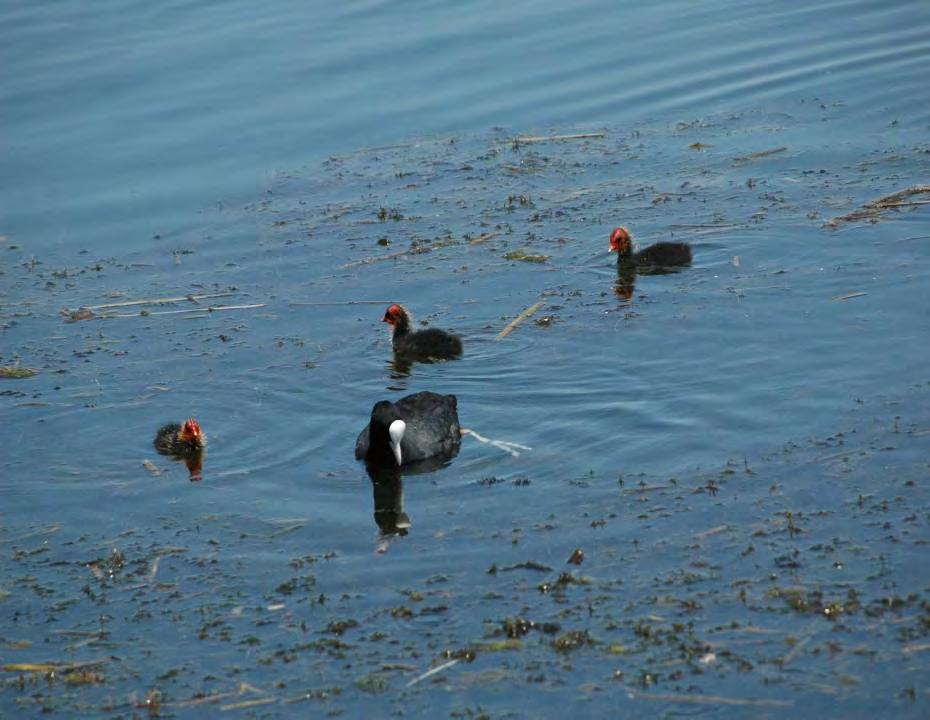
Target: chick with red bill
<point>180,440</point>
<point>427,345</point>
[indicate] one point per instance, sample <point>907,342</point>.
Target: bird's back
<point>432,425</point>
<point>429,343</point>
<point>665,254</point>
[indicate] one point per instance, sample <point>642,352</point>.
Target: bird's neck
<point>401,327</point>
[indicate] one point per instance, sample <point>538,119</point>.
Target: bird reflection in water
<point>387,486</point>
<point>388,490</point>
<point>627,274</point>
<point>195,466</point>
<point>626,282</point>
<point>399,367</point>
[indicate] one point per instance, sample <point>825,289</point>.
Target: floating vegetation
<point>524,256</point>
<point>760,154</point>
<point>873,210</point>
<point>519,319</point>
<point>16,372</point>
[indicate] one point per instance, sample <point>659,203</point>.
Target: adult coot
<point>418,427</point>
<point>180,440</point>
<point>428,344</point>
<point>662,254</point>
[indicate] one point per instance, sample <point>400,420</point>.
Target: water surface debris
<point>15,372</point>
<point>484,238</point>
<point>47,667</point>
<point>513,324</point>
<point>706,699</point>
<point>524,256</point>
<point>414,250</point>
<point>872,210</point>
<point>508,447</point>
<point>529,139</point>
<point>87,312</point>
<point>199,311</point>
<point>308,303</point>
<point>157,301</point>
<point>433,671</point>
<point>760,154</point>
<point>249,704</point>
<point>849,296</point>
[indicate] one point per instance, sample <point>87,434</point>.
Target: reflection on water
<point>627,273</point>
<point>399,367</point>
<point>388,491</point>
<point>195,466</point>
<point>626,282</point>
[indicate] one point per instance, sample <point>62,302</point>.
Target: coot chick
<point>428,344</point>
<point>185,440</point>
<point>662,254</point>
<point>418,427</point>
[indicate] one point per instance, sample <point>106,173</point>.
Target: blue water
<point>121,121</point>
<point>153,152</point>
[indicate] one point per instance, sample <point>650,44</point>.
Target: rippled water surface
<point>739,449</point>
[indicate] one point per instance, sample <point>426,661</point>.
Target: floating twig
<point>529,312</point>
<point>151,467</point>
<point>201,310</point>
<point>156,301</point>
<point>79,633</point>
<point>760,154</point>
<point>52,666</point>
<point>154,569</point>
<point>705,226</point>
<point>484,238</point>
<point>528,139</point>
<point>837,455</point>
<point>798,646</point>
<point>918,647</point>
<point>193,702</point>
<point>433,671</point>
<point>849,296</point>
<point>249,703</point>
<point>706,699</point>
<point>872,210</point>
<point>55,527</point>
<point>509,447</point>
<point>646,488</point>
<point>418,250</point>
<point>305,303</point>
<point>907,203</point>
<point>287,529</point>
<point>712,531</point>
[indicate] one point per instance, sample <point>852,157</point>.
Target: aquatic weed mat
<point>805,587</point>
